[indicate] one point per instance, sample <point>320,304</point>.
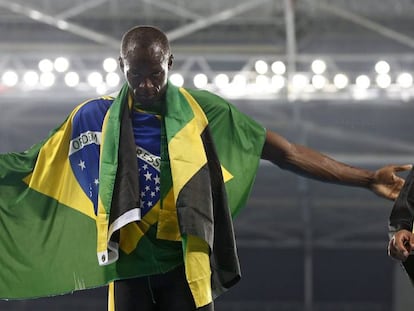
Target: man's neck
<point>154,107</point>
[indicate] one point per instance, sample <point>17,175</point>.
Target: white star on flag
<point>149,179</point>
<point>82,165</point>
<point>148,175</point>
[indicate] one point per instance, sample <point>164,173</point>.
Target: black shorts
<point>161,292</point>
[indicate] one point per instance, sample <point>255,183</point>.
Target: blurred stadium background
<point>335,75</point>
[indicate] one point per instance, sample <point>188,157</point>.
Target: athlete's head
<point>145,60</point>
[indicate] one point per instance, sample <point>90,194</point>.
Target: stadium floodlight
<point>47,79</point>
<point>261,67</point>
<point>383,80</point>
<point>405,80</point>
<point>239,83</point>
<point>382,67</point>
<point>110,64</point>
<point>101,89</point>
<point>299,81</point>
<point>45,65</point>
<point>340,81</point>
<point>278,67</point>
<point>72,79</point>
<point>262,83</point>
<point>61,64</point>
<point>318,66</point>
<point>319,82</point>
<point>177,79</point>
<point>112,79</point>
<point>10,78</point>
<point>200,80</point>
<point>31,78</point>
<point>221,80</point>
<point>363,82</point>
<point>278,82</point>
<point>95,78</point>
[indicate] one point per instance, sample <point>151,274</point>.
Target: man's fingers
<point>401,168</point>
<point>394,254</point>
<point>399,247</point>
<point>399,254</point>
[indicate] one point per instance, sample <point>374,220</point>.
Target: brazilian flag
<point>48,223</point>
<point>64,201</point>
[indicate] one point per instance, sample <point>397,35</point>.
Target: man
<point>401,243</point>
<point>145,61</point>
<point>164,221</point>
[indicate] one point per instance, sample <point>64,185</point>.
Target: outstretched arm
<point>310,163</point>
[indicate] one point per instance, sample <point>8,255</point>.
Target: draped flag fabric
<point>63,201</point>
<point>48,223</point>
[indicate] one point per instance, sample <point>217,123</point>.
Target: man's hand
<point>387,183</point>
<point>401,244</point>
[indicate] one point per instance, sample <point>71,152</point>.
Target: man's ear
<point>121,63</point>
<point>170,61</point>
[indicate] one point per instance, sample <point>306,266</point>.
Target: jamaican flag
<point>64,202</point>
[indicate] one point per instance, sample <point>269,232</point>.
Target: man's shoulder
<point>204,95</point>
<point>95,105</point>
<point>208,100</point>
<point>218,109</point>
<point>92,111</point>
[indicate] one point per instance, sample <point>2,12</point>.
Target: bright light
<point>299,81</point>
<point>46,65</point>
<point>278,82</point>
<point>261,67</point>
<point>262,82</point>
<point>278,67</point>
<point>221,80</point>
<point>382,67</point>
<point>36,15</point>
<point>95,79</point>
<point>112,79</point>
<point>405,80</point>
<point>319,82</point>
<point>200,80</point>
<point>383,80</point>
<point>61,64</point>
<point>61,24</point>
<point>31,78</point>
<point>10,78</point>
<point>239,82</point>
<point>47,79</point>
<point>177,79</point>
<point>340,81</point>
<point>318,66</point>
<point>363,82</point>
<point>101,89</point>
<point>237,87</point>
<point>360,94</point>
<point>72,79</point>
<point>110,64</point>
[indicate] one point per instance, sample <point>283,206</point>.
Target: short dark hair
<point>144,36</point>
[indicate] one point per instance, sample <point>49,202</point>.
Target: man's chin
<point>146,100</point>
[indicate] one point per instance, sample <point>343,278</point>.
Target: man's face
<point>146,71</point>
